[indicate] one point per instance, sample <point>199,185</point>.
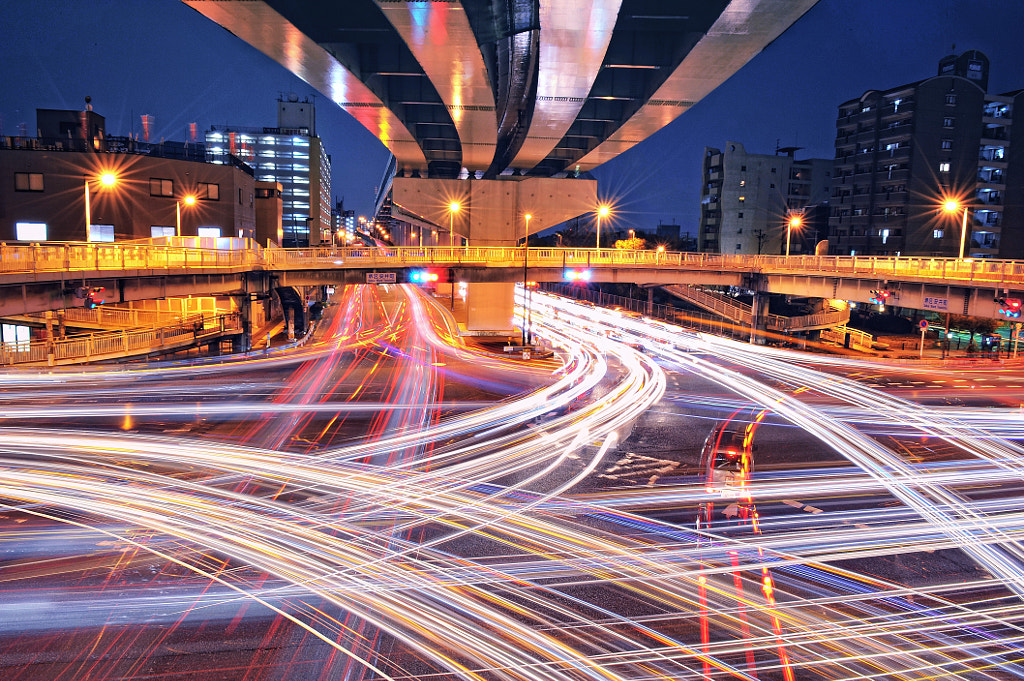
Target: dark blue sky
<point>161,58</point>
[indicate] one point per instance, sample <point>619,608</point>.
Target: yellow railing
<point>116,343</point>
<point>70,257</point>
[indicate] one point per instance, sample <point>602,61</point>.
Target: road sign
<point>381,278</point>
<point>923,323</point>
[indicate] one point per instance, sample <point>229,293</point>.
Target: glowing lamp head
<point>189,200</point>
<point>603,211</point>
<point>528,217</point>
<point>454,207</point>
<point>108,179</point>
<point>795,221</point>
<point>661,249</point>
<point>951,206</point>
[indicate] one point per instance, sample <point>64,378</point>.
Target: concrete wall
<point>492,211</point>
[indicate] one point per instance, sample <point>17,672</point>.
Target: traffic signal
<point>577,275</point>
<point>423,277</point>
<point>1009,307</point>
<point>880,296</point>
<point>94,298</point>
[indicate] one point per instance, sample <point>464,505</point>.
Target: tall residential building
<point>746,199</point>
<point>292,155</point>
<point>902,152</point>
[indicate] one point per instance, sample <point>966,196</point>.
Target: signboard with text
<point>381,278</point>
<point>940,304</point>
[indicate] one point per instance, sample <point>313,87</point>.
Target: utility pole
<point>761,236</point>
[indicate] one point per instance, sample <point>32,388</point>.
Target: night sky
<point>160,57</point>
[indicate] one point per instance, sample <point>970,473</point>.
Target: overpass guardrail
<point>114,344</point>
<point>70,257</point>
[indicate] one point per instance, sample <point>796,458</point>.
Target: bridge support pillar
<point>758,317</point>
<point>244,342</point>
<point>489,309</point>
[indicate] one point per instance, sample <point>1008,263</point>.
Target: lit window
<point>896,104</point>
<point>947,122</point>
<point>938,233</point>
<point>743,183</point>
<point>884,234</point>
<point>157,231</point>
<point>28,182</point>
<point>30,231</point>
<point>947,143</point>
<point>742,199</point>
<point>101,233</point>
<point>209,231</point>
<point>950,99</point>
<point>944,167</point>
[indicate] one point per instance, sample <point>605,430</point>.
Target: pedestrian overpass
<point>45,276</point>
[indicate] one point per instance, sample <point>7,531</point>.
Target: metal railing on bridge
<point>192,252</point>
<point>115,344</point>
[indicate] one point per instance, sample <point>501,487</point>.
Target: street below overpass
<point>390,501</point>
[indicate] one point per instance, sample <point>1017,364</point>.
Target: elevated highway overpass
<point>39,277</point>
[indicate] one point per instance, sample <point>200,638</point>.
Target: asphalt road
<point>388,501</point>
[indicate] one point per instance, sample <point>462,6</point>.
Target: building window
<point>239,196</point>
<point>743,199</point>
<point>157,231</point>
<point>207,192</point>
<point>743,183</point>
<point>208,231</point>
<point>738,247</point>
<point>944,167</point>
<point>739,215</point>
<point>30,231</point>
<point>896,104</point>
<point>947,122</point>
<point>158,187</point>
<point>743,169</point>
<point>950,99</point>
<point>28,182</point>
<point>101,233</point>
<point>771,186</point>
<point>947,143</point>
<point>773,170</point>
<point>938,233</point>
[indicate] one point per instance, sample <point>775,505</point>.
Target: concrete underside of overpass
<point>488,307</point>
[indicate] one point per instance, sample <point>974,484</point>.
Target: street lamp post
<point>792,223</point>
<point>952,206</point>
<point>526,260</point>
<point>453,208</point>
<point>106,179</point>
<point>189,201</point>
<point>602,212</point>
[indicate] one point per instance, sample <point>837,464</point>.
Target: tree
<point>632,244</point>
<point>973,325</point>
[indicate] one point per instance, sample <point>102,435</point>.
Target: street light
<point>794,222</point>
<point>602,212</point>
<point>453,208</point>
<point>106,179</point>
<point>189,200</point>
<point>526,258</point>
<point>952,206</point>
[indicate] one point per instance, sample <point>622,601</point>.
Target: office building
<point>128,189</point>
<point>747,199</point>
<point>292,155</point>
<point>902,153</point>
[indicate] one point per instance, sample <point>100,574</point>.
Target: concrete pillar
<point>61,331</point>
<point>245,316</point>
<point>758,317</point>
<point>489,308</point>
<point>650,301</point>
<point>289,315</point>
